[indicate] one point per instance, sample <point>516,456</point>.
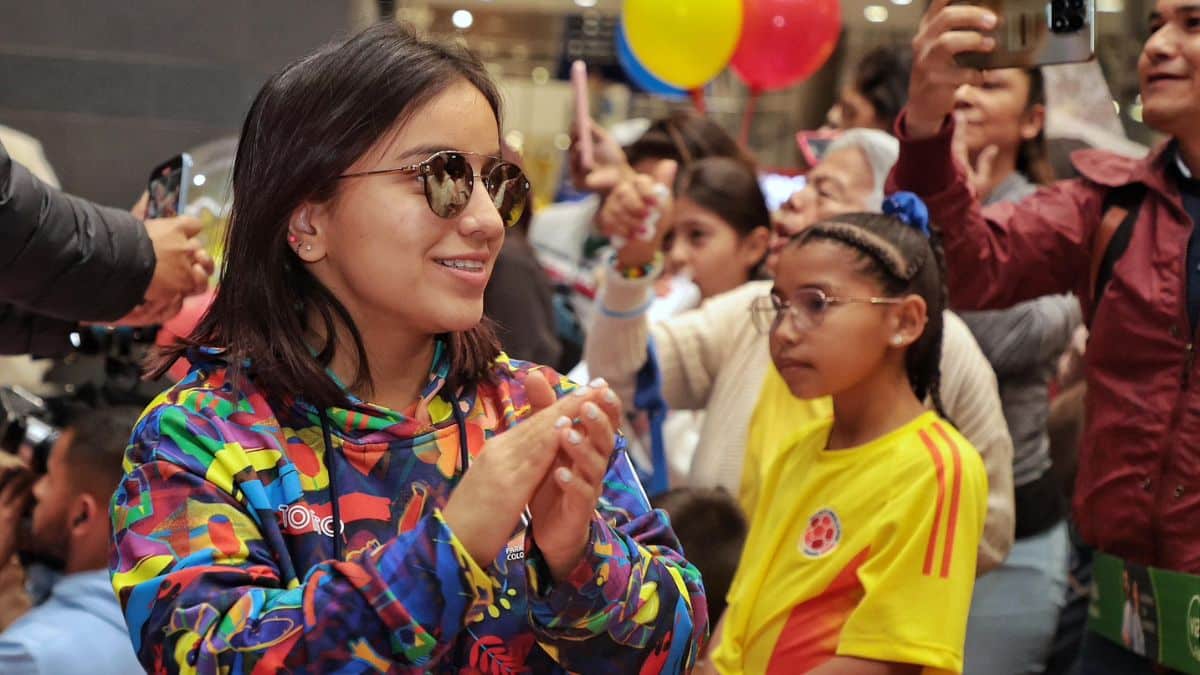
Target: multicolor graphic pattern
<point>223,556</point>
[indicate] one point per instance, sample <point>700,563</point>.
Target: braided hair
<point>905,262</point>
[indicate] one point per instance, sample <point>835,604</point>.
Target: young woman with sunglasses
<point>352,477</point>
<point>861,552</point>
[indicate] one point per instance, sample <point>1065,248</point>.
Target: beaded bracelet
<point>640,272</point>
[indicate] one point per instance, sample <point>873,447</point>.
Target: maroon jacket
<point>1137,494</point>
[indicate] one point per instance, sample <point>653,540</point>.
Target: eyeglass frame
<point>422,170</point>
<point>778,309</point>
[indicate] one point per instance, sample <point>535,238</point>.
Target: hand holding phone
<point>945,32</point>
<point>1035,33</point>
<point>583,117</point>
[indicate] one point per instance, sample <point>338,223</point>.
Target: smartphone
<point>168,187</point>
<point>1037,33</point>
<point>583,116</point>
<point>814,144</point>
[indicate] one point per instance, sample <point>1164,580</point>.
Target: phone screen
<point>168,187</point>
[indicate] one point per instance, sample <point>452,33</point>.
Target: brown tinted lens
<point>449,181</point>
<point>509,190</point>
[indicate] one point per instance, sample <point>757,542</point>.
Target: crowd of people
<point>934,413</point>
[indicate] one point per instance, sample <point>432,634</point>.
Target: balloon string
<point>698,99</point>
<point>748,115</point>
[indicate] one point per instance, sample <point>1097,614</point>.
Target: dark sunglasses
<point>449,182</point>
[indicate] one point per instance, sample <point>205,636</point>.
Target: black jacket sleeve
<point>65,257</point>
<point>23,332</point>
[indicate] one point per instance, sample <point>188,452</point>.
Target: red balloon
<point>785,41</point>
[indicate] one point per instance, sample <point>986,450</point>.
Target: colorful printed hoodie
<point>224,555</point>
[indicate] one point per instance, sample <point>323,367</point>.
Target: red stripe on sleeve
<point>941,498</point>
<point>952,523</point>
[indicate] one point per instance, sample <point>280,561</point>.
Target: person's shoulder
<point>1112,169</point>
<point>741,296</point>
<point>195,415</point>
<point>932,449</point>
<point>63,639</point>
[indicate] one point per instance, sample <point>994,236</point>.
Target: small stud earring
<point>897,340</point>
<point>308,247</point>
<point>292,239</point>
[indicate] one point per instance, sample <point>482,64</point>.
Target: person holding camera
<point>65,260</point>
<point>1123,238</point>
<point>79,627</point>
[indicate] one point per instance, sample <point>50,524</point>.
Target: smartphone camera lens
<point>1067,16</point>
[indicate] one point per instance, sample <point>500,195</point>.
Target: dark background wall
<point>112,88</point>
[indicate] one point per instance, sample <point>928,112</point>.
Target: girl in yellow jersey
<point>861,553</point>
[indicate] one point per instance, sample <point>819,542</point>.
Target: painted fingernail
<point>562,422</point>
<point>611,397</point>
<point>563,474</point>
<point>592,411</point>
<point>574,437</point>
<point>598,383</point>
<point>989,20</point>
<point>583,390</point>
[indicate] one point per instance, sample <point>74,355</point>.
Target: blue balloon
<point>637,73</point>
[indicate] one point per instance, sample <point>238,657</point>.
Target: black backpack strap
<point>1118,217</point>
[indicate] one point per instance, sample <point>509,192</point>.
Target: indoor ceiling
<point>853,11</point>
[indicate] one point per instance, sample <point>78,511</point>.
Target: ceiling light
<point>1110,6</point>
<point>198,179</point>
<point>462,19</point>
<point>902,3</point>
<point>875,13</point>
<point>586,3</point>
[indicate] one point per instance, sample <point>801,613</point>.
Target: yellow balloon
<point>684,43</point>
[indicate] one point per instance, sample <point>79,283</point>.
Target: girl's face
<point>710,250</point>
<point>379,248</point>
<point>825,348</point>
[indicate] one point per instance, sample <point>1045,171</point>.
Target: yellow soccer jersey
<point>778,416</point>
<point>866,552</point>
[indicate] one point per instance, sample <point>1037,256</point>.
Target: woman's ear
<point>307,230</point>
<point>1033,121</point>
<point>753,247</point>
<point>909,320</point>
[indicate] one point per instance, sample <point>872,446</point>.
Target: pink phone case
<point>583,116</point>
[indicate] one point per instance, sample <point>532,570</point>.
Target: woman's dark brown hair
<point>685,136</point>
<point>882,77</point>
<point>307,125</point>
<point>905,262</point>
<point>1033,159</point>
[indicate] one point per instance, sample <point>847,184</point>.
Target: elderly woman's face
<point>841,183</point>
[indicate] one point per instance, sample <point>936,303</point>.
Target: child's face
<point>823,349</point>
<point>710,250</point>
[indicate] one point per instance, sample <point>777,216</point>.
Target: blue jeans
<point>1014,610</point>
